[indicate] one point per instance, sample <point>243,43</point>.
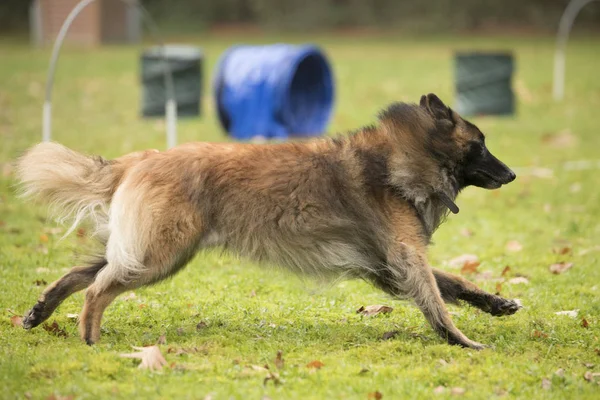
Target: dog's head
<point>459,147</point>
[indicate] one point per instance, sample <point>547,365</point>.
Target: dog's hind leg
<point>406,274</point>
<point>454,288</point>
<point>75,280</point>
<point>148,242</point>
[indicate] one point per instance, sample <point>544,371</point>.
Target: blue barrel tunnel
<point>274,91</point>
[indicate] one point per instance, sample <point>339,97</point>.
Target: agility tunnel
<point>274,91</point>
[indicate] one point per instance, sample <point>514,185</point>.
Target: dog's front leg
<point>407,274</point>
<point>454,288</point>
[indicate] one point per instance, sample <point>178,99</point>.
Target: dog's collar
<point>444,198</point>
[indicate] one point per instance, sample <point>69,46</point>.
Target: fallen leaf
<point>44,238</point>
<point>42,270</point>
<point>162,339</point>
<point>439,390</point>
<point>279,362</point>
<point>460,261</point>
<point>201,325</point>
<point>597,351</point>
<point>16,320</point>
<point>457,391</point>
<point>142,306</point>
<point>316,364</point>
<point>589,365</point>
<point>59,397</point>
<point>560,372</point>
<point>498,288</point>
<point>374,310</point>
<point>80,232</point>
<point>570,313</point>
<point>55,329</point>
<point>469,267</point>
<point>466,232</point>
<point>151,357</point>
<point>561,267</point>
<point>514,246</point>
<point>389,335</point>
<point>588,376</point>
<point>253,293</point>
<point>518,280</point>
<point>562,139</point>
<point>539,334</point>
<point>376,395</point>
<point>505,271</point>
<point>259,367</point>
<point>40,282</point>
<point>546,384</point>
<point>562,250</point>
<point>584,323</point>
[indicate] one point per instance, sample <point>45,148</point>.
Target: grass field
<point>222,315</point>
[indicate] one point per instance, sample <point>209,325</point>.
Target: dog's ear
<point>436,107</point>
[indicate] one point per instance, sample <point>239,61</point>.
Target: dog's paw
<point>35,316</point>
<point>505,307</point>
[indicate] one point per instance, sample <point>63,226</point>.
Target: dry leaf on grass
<point>460,261</point>
<point>562,139</point>
<point>151,357</point>
<point>514,246</point>
<point>279,362</point>
<point>589,365</point>
<point>42,270</point>
<point>316,364</point>
<point>505,271</point>
<point>562,250</point>
<point>439,390</point>
<point>584,323</point>
<point>518,280</point>
<point>55,329</point>
<point>570,313</point>
<point>469,268</point>
<point>561,267</point>
<point>560,372</point>
<point>374,310</point>
<point>44,238</point>
<point>546,384</point>
<point>498,288</point>
<point>457,391</point>
<point>16,320</point>
<point>466,232</point>
<point>40,282</point>
<point>376,395</point>
<point>539,334</point>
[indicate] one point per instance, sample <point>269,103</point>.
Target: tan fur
<point>363,206</point>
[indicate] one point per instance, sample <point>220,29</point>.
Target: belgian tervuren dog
<point>362,205</point>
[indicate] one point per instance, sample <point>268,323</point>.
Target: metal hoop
<point>170,105</point>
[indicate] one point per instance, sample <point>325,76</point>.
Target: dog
<point>363,205</point>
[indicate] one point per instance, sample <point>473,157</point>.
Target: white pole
<point>171,111</point>
<point>564,28</point>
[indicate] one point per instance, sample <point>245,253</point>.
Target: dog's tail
<point>75,185</point>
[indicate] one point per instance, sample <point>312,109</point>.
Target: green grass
<point>252,313</point>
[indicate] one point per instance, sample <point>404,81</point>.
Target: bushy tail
<point>75,185</point>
